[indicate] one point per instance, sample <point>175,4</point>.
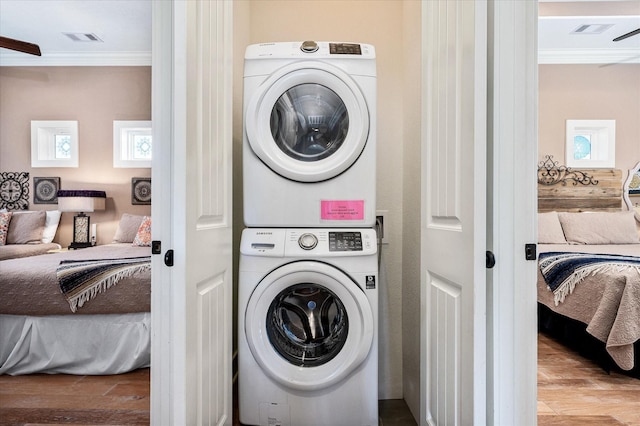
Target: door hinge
<point>530,252</point>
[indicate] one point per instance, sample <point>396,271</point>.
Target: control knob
<point>309,46</point>
<point>307,241</point>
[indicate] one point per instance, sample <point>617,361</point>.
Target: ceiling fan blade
<point>627,35</point>
<point>20,46</point>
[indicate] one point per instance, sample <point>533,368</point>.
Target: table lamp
<point>81,201</point>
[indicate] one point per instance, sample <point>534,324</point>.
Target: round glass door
<point>308,325</point>
<point>308,122</point>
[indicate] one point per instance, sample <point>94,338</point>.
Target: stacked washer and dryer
<point>308,276</point>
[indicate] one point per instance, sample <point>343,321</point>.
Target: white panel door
<point>192,300</point>
<point>453,329</point>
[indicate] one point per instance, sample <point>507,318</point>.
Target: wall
<point>589,92</point>
<point>241,16</point>
<point>376,23</point>
<point>95,97</point>
<point>411,203</point>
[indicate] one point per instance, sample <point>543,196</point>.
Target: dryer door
<point>308,122</point>
<point>308,325</point>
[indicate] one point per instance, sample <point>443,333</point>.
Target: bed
<point>589,269</point>
<point>81,311</point>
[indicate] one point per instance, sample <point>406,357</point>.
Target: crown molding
<point>589,56</point>
<point>92,59</point>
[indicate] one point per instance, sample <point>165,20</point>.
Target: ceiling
<point>124,30</point>
<point>123,26</point>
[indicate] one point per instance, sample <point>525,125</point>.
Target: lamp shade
<point>81,200</point>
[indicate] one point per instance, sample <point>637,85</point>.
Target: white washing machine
<point>309,149</point>
<point>308,327</point>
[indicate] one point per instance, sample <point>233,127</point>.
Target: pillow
<point>127,228</point>
<point>549,229</point>
<point>143,236</point>
<point>50,224</point>
<point>5,218</point>
<point>26,228</point>
<point>599,228</point>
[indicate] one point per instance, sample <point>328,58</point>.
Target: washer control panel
<point>306,242</point>
<point>345,241</point>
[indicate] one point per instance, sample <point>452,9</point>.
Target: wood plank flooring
<point>572,391</point>
<point>81,400</point>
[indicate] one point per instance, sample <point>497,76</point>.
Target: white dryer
<point>309,149</point>
<point>308,327</point>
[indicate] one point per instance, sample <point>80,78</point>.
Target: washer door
<point>308,122</point>
<point>308,325</point>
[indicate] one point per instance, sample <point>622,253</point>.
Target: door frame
<point>512,212</point>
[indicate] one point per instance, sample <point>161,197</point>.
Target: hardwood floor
<point>64,399</point>
<point>572,391</point>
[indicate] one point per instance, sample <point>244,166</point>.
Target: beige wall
<point>95,97</point>
<point>589,92</point>
<point>378,23</point>
<point>411,171</point>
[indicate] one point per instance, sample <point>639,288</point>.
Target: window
<point>132,144</point>
<point>591,143</point>
<point>54,144</point>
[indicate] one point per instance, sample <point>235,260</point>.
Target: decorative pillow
<point>5,218</point>
<point>127,228</point>
<point>599,228</point>
<point>50,224</point>
<point>26,228</point>
<point>549,229</point>
<point>143,237</point>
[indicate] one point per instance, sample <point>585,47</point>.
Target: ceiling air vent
<point>90,37</point>
<point>591,29</point>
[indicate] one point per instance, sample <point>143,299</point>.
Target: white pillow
<point>51,225</point>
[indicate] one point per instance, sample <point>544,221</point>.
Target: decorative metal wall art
<point>45,190</point>
<point>14,190</point>
<point>550,173</point>
<point>140,190</point>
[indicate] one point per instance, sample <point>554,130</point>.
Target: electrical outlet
<point>382,225</point>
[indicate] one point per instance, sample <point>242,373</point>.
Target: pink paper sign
<point>342,209</point>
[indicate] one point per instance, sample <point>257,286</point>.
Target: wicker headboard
<point>564,189</point>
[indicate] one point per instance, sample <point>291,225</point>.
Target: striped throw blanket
<point>81,280</point>
<point>562,271</point>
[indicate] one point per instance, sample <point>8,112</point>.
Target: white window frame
<point>603,139</point>
<point>123,135</point>
<point>43,143</point>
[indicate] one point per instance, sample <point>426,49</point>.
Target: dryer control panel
<point>310,49</point>
<point>277,242</point>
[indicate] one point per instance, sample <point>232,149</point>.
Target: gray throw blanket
<point>81,280</point>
